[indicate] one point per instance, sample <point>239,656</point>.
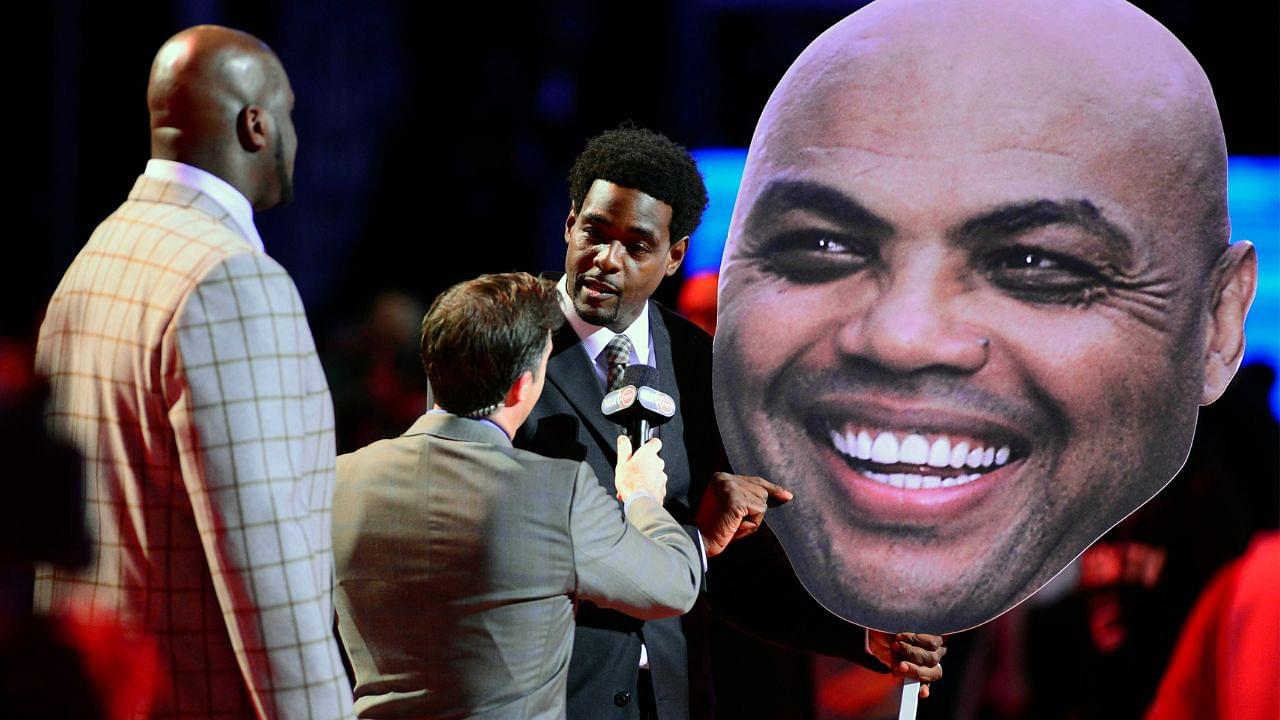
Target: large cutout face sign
<point>976,286</point>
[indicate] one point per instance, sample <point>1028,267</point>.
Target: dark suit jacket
<point>751,585</point>
<point>457,558</point>
<point>567,423</point>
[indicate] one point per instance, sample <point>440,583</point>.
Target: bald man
<point>976,285</point>
<point>182,367</point>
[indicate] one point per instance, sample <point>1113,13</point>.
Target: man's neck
<point>508,419</point>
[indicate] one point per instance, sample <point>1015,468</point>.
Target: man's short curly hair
<point>647,161</point>
<point>480,335</point>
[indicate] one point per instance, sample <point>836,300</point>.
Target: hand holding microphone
<point>639,406</point>
<point>640,473</point>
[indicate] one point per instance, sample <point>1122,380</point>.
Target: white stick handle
<point>910,696</point>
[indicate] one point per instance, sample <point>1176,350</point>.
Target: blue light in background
<point>1253,196</point>
<point>1253,190</point>
<point>722,172</point>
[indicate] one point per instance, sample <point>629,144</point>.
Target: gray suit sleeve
<point>645,566</point>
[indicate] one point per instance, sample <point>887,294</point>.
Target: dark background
<point>434,142</point>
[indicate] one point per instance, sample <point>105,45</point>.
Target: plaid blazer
<point>182,367</point>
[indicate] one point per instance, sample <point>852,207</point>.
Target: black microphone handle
<point>642,434</point>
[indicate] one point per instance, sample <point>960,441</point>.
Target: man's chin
<point>601,315</point>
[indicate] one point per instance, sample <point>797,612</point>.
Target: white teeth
<point>911,481</point>
<point>914,450</point>
<point>885,449</point>
<point>864,445</point>
<point>940,453</point>
<point>838,440</point>
<point>975,458</point>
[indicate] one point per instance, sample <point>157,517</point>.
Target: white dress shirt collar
<point>594,337</point>
<point>218,190</point>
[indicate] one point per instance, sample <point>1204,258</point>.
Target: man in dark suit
<point>635,198</point>
<point>458,558</point>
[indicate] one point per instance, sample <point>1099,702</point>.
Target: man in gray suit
<point>459,559</point>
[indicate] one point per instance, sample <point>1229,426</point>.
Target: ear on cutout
<point>1235,279</point>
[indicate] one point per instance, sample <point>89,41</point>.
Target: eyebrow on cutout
<point>1011,219</point>
<point>781,196</point>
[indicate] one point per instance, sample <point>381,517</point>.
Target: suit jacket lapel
<point>662,346</point>
<point>571,373</point>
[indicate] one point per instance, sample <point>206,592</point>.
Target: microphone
<point>638,405</point>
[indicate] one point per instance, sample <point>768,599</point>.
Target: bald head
<point>219,99</point>
<point>933,79</point>
<point>987,244</point>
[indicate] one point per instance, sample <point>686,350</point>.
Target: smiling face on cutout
<point>967,311</point>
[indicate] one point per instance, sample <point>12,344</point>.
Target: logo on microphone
<point>618,400</point>
<point>666,405</point>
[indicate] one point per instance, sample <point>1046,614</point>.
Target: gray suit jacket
<point>458,562</point>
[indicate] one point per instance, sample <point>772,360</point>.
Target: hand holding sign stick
<point>915,657</point>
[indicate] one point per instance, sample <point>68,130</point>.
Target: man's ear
<point>569,221</point>
<point>253,125</point>
<point>519,390</point>
<point>1234,281</point>
<point>675,255</point>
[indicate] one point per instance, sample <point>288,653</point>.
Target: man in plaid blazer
<point>182,366</point>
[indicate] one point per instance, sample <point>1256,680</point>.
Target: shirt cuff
<point>626,506</point>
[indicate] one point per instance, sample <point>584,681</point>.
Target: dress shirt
<point>221,191</point>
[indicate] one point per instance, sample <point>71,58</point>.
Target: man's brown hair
<point>480,335</point>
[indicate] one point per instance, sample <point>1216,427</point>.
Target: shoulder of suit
<point>240,284</point>
<point>199,221</point>
<point>555,466</point>
<point>680,327</point>
<point>350,465</point>
<point>187,240</point>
